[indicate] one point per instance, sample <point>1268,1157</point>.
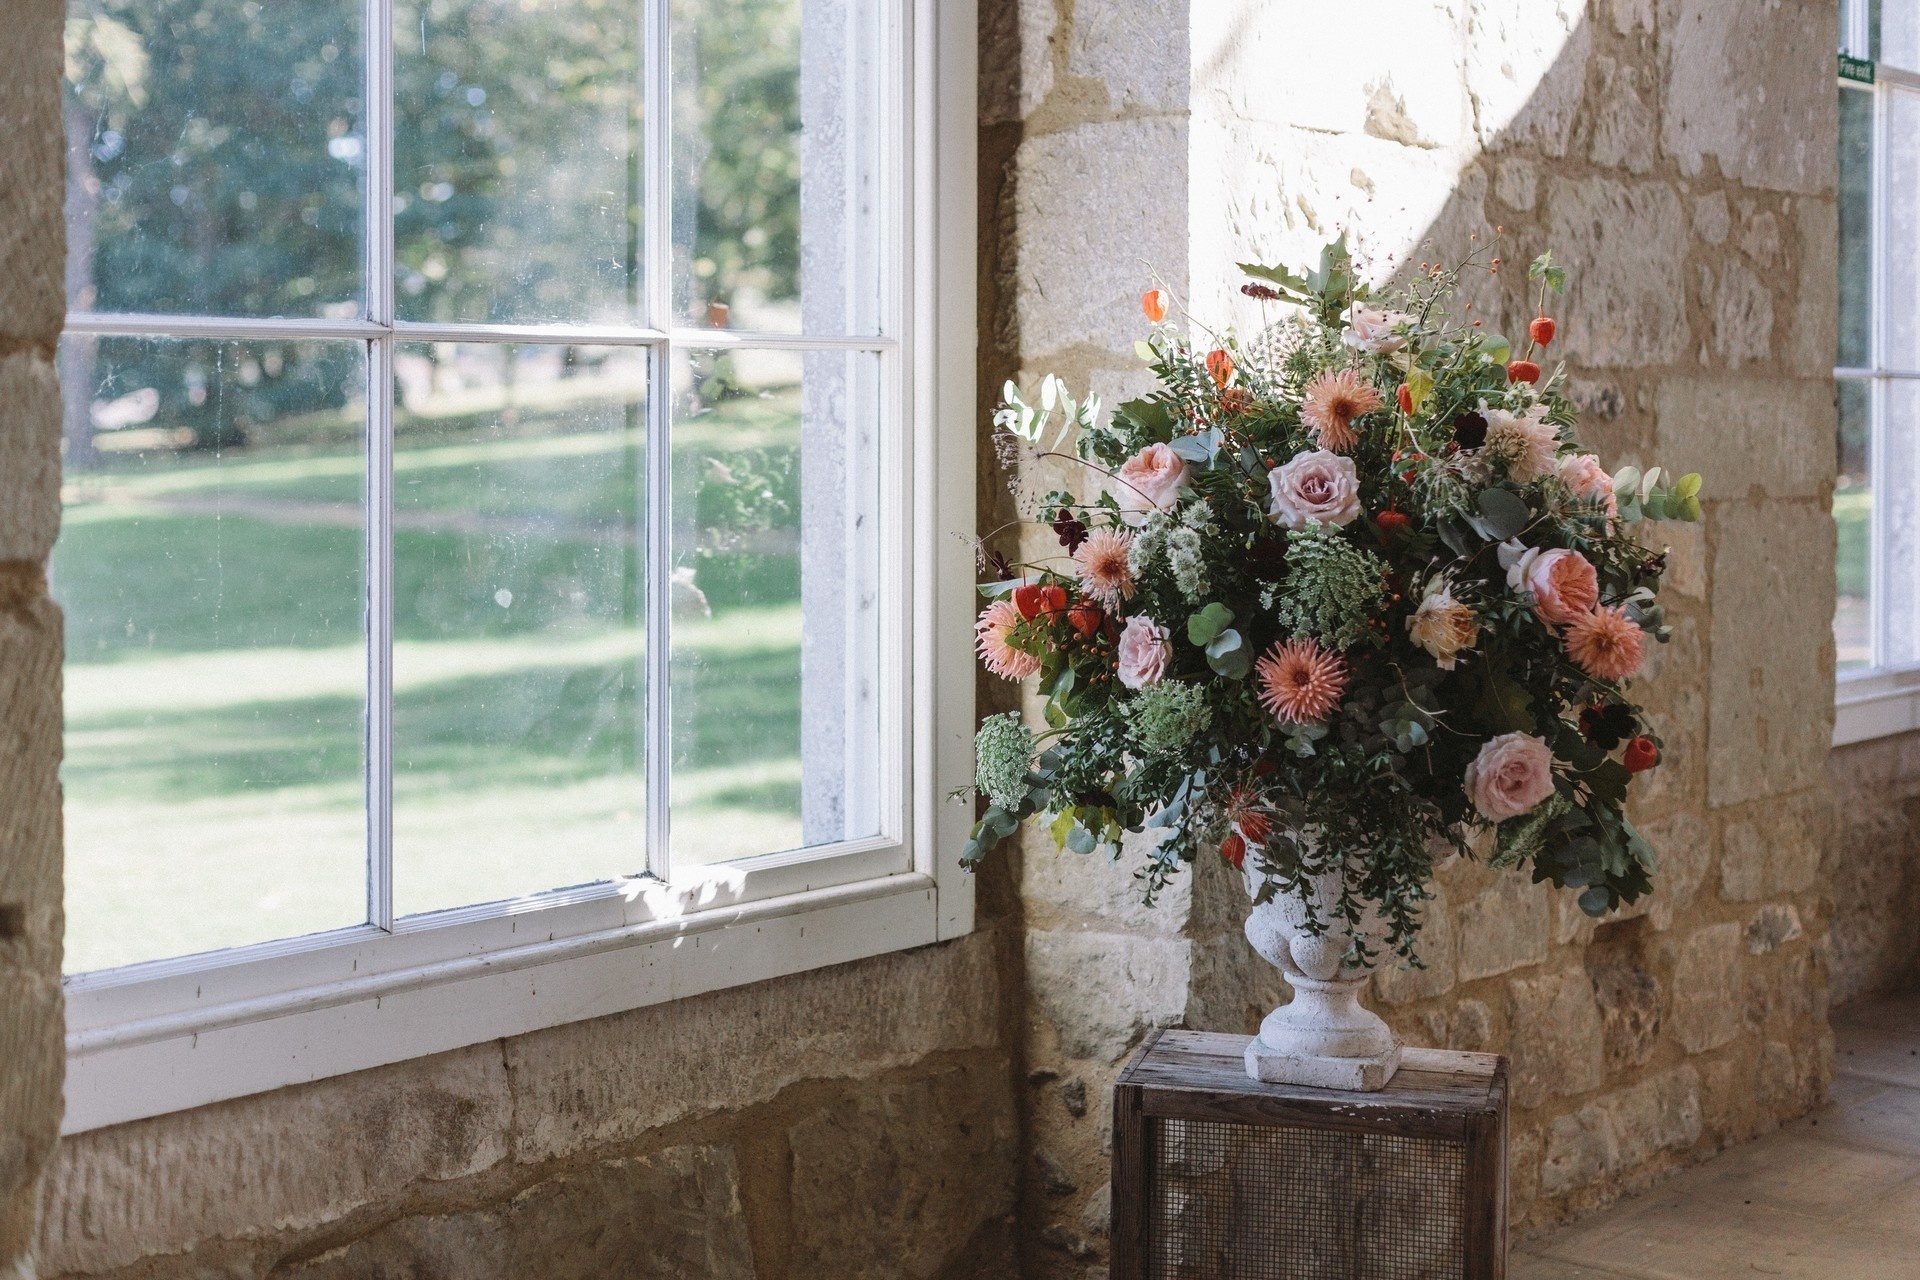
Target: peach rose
<point>1149,481</point>
<point>1586,478</point>
<point>1512,774</point>
<point>1315,487</point>
<point>1145,650</point>
<point>1561,583</point>
<point>1372,331</point>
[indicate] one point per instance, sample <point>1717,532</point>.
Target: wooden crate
<point>1221,1177</point>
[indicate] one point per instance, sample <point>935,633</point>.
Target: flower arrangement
<point>1332,598</point>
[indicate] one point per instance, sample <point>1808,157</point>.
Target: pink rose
<point>1145,650</point>
<point>1149,481</point>
<point>1372,331</point>
<point>1562,583</point>
<point>1316,486</point>
<point>1512,774</point>
<point>1586,478</point>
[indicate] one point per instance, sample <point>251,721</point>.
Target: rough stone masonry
<point>1678,156</point>
<point>32,307</point>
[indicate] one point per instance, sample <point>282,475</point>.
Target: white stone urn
<point>1325,1038</point>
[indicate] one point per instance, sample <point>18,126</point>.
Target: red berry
<point>1541,330</point>
<point>1405,395</point>
<point>1393,521</point>
<point>1523,371</point>
<point>1641,755</point>
<point>1234,849</point>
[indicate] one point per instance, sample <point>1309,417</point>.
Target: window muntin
<point>510,467</point>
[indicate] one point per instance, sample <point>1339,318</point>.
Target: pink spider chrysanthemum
<point>1606,643</point>
<point>1300,682</point>
<point>1333,400</point>
<point>1105,573</point>
<point>997,620</point>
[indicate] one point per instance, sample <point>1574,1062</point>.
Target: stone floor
<point>1835,1196</point>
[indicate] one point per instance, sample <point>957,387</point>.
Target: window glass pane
<point>776,210</point>
<point>517,176</point>
<point>1853,524</point>
<point>1900,321</point>
<point>215,155</point>
<point>1856,228</point>
<point>518,620</point>
<point>777,665</point>
<point>1896,30</point>
<point>209,567</point>
<point>1898,523</point>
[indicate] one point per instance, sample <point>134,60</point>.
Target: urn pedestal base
<point>1357,1075</point>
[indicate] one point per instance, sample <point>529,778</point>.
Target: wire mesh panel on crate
<point>1221,1177</point>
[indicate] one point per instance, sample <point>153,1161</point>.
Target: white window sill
<point>1875,705</point>
<point>237,1035</point>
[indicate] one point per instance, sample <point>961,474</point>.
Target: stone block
<point>1774,852</point>
<point>1504,928</point>
<point>1741,308</point>
<point>1623,124</point>
<point>1772,927</point>
<point>32,188</point>
<point>1069,222</point>
<point>1016,58</point>
<point>1063,888</point>
<point>29,455</point>
<point>1622,1129</point>
<point>1526,67</point>
<point>659,1217</point>
<point>891,1181</point>
<point>613,1079</point>
<point>1516,183</point>
<point>1816,307</point>
<point>1751,92</point>
<point>1104,991</point>
<point>290,1160</point>
<point>1620,242</point>
<point>1682,850</point>
<point>1770,689</point>
<point>1749,437</point>
<point>1557,1046</point>
<point>1136,49</point>
<point>1708,991</point>
<point>1397,982</point>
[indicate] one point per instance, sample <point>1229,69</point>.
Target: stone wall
<point>1873,866</point>
<point>32,306</point>
<point>1677,155</point>
<point>853,1123</point>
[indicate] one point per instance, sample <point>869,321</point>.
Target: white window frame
<point>159,1037</point>
<point>1877,701</point>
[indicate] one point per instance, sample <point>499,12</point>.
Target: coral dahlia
<point>1300,682</point>
<point>996,649</point>
<point>1103,566</point>
<point>1333,400</point>
<point>1606,643</point>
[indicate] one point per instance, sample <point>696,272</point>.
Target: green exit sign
<point>1858,70</point>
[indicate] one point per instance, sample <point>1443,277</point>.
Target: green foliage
<point>1164,717</point>
<point>1003,748</point>
<point>1334,590</point>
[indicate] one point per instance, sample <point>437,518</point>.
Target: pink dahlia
<point>994,628</point>
<point>1104,572</point>
<point>1333,400</point>
<point>1606,644</point>
<point>1300,682</point>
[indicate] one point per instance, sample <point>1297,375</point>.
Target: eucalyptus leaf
<point>1081,840</point>
<point>1203,626</point>
<point>1227,654</point>
<point>1505,514</point>
<point>1595,900</point>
